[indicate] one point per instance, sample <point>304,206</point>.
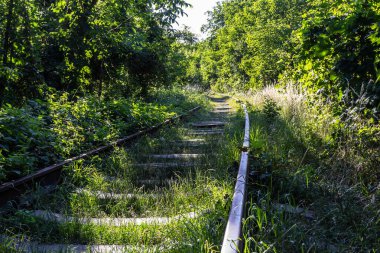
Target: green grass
<point>43,132</point>
<point>291,165</point>
<point>206,188</point>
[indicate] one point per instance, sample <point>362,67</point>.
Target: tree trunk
<point>7,33</point>
<point>7,46</point>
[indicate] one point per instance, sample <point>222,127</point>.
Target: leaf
<point>308,65</point>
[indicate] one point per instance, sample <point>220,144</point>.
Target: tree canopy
<point>85,46</point>
<point>324,45</point>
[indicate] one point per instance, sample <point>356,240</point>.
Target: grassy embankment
<point>314,184</point>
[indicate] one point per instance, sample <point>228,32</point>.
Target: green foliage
<point>331,48</point>
<point>26,140</point>
<point>327,46</point>
<point>314,186</point>
<point>79,124</point>
<point>335,45</point>
<point>205,189</point>
<point>270,109</point>
<point>346,144</point>
<point>41,133</point>
<point>248,45</point>
<point>84,46</point>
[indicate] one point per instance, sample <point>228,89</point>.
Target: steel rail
<point>233,241</point>
<point>51,174</point>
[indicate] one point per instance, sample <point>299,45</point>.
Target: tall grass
<point>347,144</point>
<point>313,189</point>
<point>303,112</point>
<point>206,188</point>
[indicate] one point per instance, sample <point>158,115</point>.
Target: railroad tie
<point>207,132</point>
<point>164,165</point>
<point>189,143</point>
<point>222,108</point>
<point>208,124</point>
<point>175,156</point>
<point>116,196</point>
<point>25,244</point>
<point>162,168</point>
<point>155,182</point>
<point>147,182</point>
<point>221,111</point>
<point>115,222</point>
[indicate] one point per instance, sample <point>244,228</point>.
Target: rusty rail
<point>233,241</point>
<point>51,174</point>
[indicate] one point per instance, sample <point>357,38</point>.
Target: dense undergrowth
<point>328,49</point>
<point>43,132</point>
<point>316,134</point>
<point>314,184</point>
<point>206,188</point>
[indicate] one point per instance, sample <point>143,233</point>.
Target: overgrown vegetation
<point>310,70</point>
<point>330,48</point>
<point>77,74</point>
<point>97,47</point>
<point>314,184</point>
<point>329,45</point>
<point>204,188</point>
<point>44,132</point>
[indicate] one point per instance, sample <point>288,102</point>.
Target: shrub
<point>44,132</point>
<point>26,140</point>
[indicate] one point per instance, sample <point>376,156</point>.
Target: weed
<point>304,198</point>
<point>44,132</point>
<point>270,109</point>
<point>113,185</point>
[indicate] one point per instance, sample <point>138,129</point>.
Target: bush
<point>44,132</point>
<point>344,139</point>
<point>26,140</point>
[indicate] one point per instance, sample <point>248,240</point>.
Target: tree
<point>84,46</point>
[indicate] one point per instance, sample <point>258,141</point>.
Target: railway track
<point>167,192</point>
